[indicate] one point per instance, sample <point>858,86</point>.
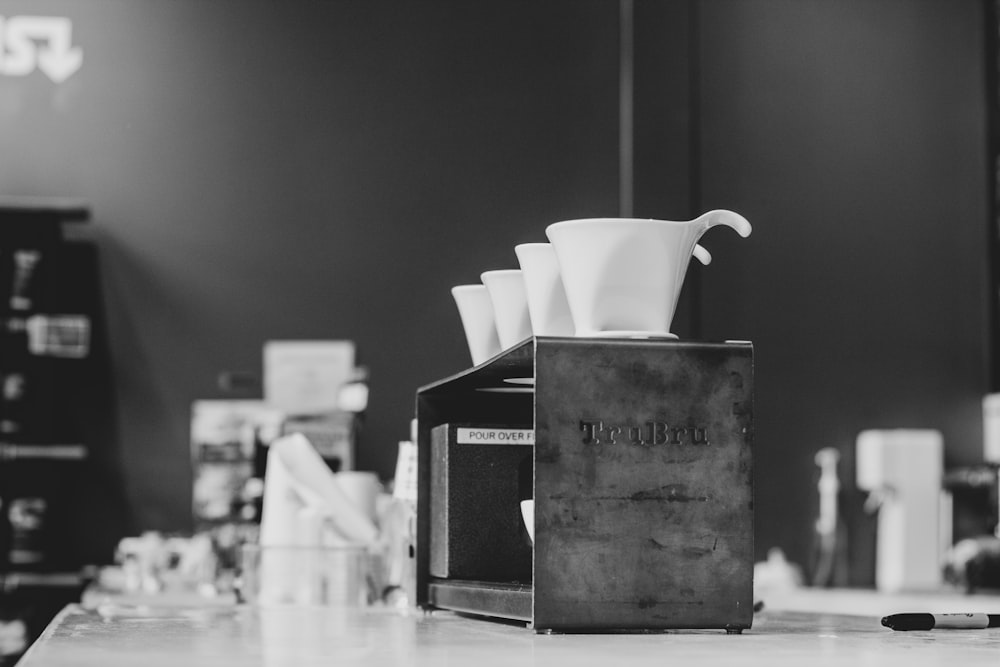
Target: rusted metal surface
<point>643,485</point>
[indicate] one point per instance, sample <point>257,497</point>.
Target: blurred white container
<point>319,575</point>
<point>902,468</point>
<point>991,428</point>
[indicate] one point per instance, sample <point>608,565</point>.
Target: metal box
<point>642,480</point>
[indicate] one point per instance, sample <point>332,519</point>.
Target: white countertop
<point>814,627</point>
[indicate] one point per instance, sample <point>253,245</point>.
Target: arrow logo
<point>45,42</point>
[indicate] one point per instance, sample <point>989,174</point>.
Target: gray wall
<point>853,134</point>
<point>264,170</point>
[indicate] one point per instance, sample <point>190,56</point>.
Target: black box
<point>479,478</point>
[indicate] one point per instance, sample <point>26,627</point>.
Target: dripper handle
<point>702,254</point>
<point>727,218</point>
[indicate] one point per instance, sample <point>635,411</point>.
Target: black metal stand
<point>642,481</point>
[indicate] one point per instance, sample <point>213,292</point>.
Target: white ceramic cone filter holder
<point>528,517</point>
<point>476,312</point>
<point>547,304</point>
<point>623,276</point>
<point>510,305</point>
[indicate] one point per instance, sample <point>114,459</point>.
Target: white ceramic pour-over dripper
<point>528,517</point>
<point>476,312</point>
<point>622,276</point>
<point>547,304</point>
<point>510,305</point>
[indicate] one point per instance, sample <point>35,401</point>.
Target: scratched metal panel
<point>643,485</point>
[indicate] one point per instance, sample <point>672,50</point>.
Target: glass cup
<point>306,575</point>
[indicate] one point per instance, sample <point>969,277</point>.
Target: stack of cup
<point>597,277</point>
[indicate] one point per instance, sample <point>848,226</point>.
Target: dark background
<point>303,169</point>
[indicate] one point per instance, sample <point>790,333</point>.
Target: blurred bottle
<point>828,562</point>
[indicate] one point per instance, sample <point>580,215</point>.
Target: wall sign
<point>28,43</point>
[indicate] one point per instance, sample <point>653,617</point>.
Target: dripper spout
<point>727,218</point>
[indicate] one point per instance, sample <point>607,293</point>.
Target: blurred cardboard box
<point>305,377</point>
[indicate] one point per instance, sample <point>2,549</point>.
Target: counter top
<point>803,627</point>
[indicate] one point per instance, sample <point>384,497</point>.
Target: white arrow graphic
<point>54,55</point>
<point>20,57</point>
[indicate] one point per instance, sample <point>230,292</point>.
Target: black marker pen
<point>941,621</point>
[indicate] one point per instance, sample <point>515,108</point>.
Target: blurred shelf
<point>16,579</point>
<point>53,452</point>
<point>65,209</point>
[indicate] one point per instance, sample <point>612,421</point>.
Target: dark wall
<point>853,136</point>
<point>263,170</point>
<point>272,170</point>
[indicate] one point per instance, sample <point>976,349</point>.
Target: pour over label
<point>495,436</point>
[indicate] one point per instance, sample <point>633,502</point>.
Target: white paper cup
<point>547,304</point>
<point>510,305</point>
<point>476,312</point>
